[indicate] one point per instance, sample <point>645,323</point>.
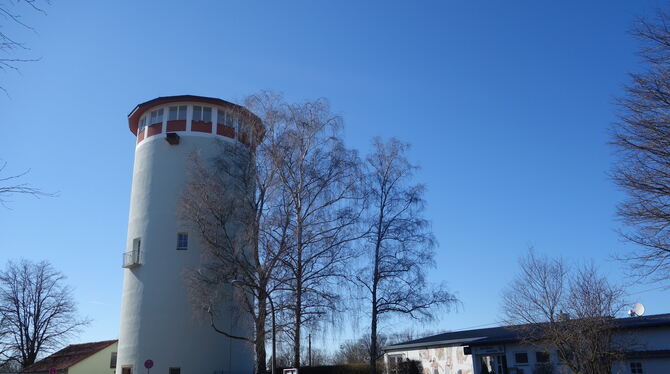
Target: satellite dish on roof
<point>637,311</point>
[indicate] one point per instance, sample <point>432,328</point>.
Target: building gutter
<point>441,343</point>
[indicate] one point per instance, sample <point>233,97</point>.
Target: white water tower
<point>157,320</point>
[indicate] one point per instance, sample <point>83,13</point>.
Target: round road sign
<point>148,364</point>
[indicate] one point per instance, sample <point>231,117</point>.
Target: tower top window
<point>202,113</point>
<point>221,117</point>
<point>156,116</point>
<point>177,113</point>
<point>231,121</point>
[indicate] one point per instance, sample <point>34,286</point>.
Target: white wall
<point>157,320</point>
<point>646,339</point>
<point>98,363</point>
<point>649,366</point>
<point>446,360</point>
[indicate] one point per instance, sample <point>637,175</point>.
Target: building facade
<point>500,350</point>
<point>159,327</point>
<point>86,358</point>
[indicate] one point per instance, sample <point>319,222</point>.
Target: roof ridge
<point>509,331</point>
<point>69,356</point>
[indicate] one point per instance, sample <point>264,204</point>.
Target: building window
<point>221,117</point>
<point>231,121</point>
<point>156,116</point>
<point>521,358</point>
<point>143,123</point>
<point>394,363</point>
<point>542,357</point>
<point>636,368</point>
<point>203,114</point>
<point>112,361</point>
<point>175,370</point>
<point>244,134</point>
<point>182,241</point>
<point>177,113</point>
<point>127,370</point>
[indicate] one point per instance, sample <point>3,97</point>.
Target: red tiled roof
<point>68,356</point>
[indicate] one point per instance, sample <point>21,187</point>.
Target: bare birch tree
<point>318,177</point>
<point>398,246</point>
<point>642,141</point>
<point>37,311</point>
<point>570,310</point>
<point>231,203</point>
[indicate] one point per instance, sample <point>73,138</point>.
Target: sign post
<point>148,364</point>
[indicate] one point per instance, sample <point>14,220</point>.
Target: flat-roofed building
<point>502,350</point>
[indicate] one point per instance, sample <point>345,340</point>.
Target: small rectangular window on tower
<point>175,370</point>
<point>182,241</point>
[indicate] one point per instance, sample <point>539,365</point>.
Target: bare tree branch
<point>231,202</point>
<point>10,186</point>
<point>11,15</point>
<point>37,311</point>
<point>570,310</point>
<point>642,141</point>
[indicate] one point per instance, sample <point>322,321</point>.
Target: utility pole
<point>309,348</point>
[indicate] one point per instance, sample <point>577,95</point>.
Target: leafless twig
<point>10,186</point>
<point>642,141</point>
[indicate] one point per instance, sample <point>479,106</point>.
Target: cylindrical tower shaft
<point>158,322</point>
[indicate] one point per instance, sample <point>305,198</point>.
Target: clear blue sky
<point>507,105</point>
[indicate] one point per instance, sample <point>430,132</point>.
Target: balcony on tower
<point>131,259</point>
